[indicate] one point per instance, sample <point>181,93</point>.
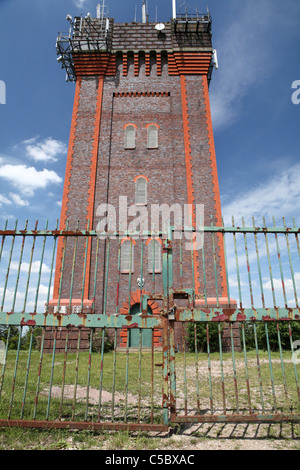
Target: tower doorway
<point>134,333</point>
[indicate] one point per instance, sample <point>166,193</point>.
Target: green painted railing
<point>225,327</point>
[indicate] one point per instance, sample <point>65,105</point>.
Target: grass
<point>141,397</point>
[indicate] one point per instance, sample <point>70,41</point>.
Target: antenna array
<point>85,35</point>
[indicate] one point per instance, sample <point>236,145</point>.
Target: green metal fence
<point>225,350</point>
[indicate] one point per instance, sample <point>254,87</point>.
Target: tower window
<point>154,256</point>
<point>141,190</point>
<point>127,258</point>
<point>129,136</point>
<point>152,136</point>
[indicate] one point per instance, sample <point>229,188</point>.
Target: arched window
<point>129,136</point>
<point>154,256</point>
<point>141,190</point>
<point>152,136</point>
<point>127,256</point>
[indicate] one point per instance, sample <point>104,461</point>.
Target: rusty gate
<point>200,330</point>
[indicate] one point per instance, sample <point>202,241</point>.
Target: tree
<point>201,335</point>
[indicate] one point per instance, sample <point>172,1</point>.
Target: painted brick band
<point>189,174</point>
<point>92,185</point>
<point>215,184</point>
<point>64,206</point>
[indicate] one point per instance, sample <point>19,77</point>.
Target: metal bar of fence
<point>39,375</point>
<point>197,368</point>
<point>226,264</point>
<point>246,367</point>
<point>112,234</point>
<point>8,269</point>
<point>258,368</point>
<point>15,376</point>
<point>29,269</point>
<point>126,377</point>
<point>237,266</point>
<point>73,267</point>
<point>89,375</point>
<point>64,375</point>
<point>51,374</point>
<point>248,265</point>
<point>40,271</point>
<point>222,368</point>
<point>101,373</point>
<point>76,375</point>
<point>215,268</point>
<point>18,271</point>
<point>209,369</point>
<point>51,270</point>
<point>291,264</point>
<point>270,266</point>
<point>234,370</point>
<point>27,374</point>
<point>280,266</point>
<point>62,269</point>
<point>259,267</point>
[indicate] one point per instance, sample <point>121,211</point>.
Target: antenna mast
<point>174,9</point>
<point>144,12</point>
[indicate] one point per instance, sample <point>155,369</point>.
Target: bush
<point>13,337</point>
<point>202,337</point>
<point>273,335</point>
<point>97,342</point>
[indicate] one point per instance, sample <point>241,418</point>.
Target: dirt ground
<point>195,437</point>
<point>236,437</point>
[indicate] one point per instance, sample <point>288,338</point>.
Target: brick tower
<point>141,129</point>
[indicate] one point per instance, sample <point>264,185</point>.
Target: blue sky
<point>256,124</point>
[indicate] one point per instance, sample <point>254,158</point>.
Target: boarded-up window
<point>141,190</point>
<point>129,138</point>
<point>127,249</point>
<point>152,137</point>
<point>154,256</point>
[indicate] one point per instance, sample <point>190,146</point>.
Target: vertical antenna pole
<point>174,9</point>
<point>144,11</point>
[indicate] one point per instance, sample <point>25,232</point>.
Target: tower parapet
<point>92,45</point>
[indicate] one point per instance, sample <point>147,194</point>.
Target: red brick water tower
<point>141,129</point>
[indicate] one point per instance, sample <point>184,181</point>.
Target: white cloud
<point>45,151</point>
<point>35,267</point>
<point>28,179</point>
<point>17,200</point>
<point>288,284</point>
<point>80,3</point>
<point>279,196</point>
<point>4,200</point>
